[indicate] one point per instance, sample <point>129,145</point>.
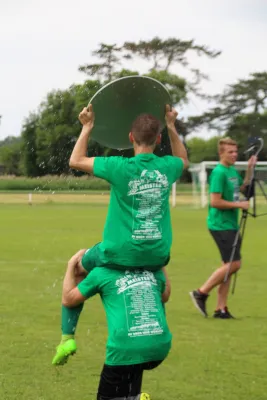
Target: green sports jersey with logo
<point>227,181</point>
<point>138,228</point>
<point>137,326</point>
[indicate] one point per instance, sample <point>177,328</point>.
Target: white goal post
<point>200,180</point>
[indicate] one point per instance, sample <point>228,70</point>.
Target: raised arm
<point>249,173</point>
<point>79,159</point>
<point>177,146</point>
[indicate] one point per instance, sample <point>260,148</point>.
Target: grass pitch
<point>210,359</point>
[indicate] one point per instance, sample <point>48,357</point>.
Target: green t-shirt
<point>137,326</point>
<point>138,230</point>
<point>227,181</point>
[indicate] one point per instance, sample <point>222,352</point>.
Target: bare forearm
<point>248,177</point>
<point>69,282</point>
<point>177,146</point>
<point>80,149</point>
<point>224,204</point>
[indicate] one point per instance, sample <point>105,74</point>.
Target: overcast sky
<point>42,43</point>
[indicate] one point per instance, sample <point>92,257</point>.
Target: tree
<point>245,96</point>
<point>10,156</point>
<point>169,51</point>
<point>203,150</point>
<point>49,136</point>
<point>10,140</point>
<point>175,85</point>
<point>57,127</point>
<point>239,112</point>
<point>82,95</point>
<point>245,126</point>
<point>29,146</point>
<point>163,54</point>
<point>106,69</point>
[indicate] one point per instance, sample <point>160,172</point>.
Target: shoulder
<point>172,160</point>
<point>217,171</point>
<point>106,275</point>
<point>98,278</point>
<point>111,159</point>
<point>93,275</point>
<point>168,158</point>
<point>101,274</point>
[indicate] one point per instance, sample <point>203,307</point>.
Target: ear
<point>131,138</point>
<point>221,151</point>
<point>158,141</point>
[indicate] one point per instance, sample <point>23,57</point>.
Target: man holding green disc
<point>138,232</point>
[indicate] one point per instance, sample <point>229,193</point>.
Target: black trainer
<point>199,300</point>
<point>223,314</point>
<point>217,314</point>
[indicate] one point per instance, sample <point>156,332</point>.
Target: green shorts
<point>93,258</point>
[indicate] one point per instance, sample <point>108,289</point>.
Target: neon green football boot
<point>145,396</point>
<point>64,350</point>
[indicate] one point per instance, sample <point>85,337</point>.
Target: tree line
<point>48,135</point>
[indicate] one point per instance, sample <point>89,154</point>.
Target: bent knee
<point>80,270</point>
<point>235,266</point>
<point>80,255</point>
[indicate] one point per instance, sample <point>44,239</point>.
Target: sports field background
<point>210,359</point>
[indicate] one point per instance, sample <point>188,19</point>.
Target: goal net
<point>200,177</point>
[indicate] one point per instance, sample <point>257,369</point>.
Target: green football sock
<point>69,320</point>
<point>64,338</point>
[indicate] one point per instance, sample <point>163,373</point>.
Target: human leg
<point>85,261</point>
<point>69,318</point>
<point>231,264</point>
<point>217,278</point>
<point>232,258</point>
<point>120,382</point>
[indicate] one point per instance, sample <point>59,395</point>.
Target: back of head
<point>145,130</point>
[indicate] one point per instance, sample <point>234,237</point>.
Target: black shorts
<point>121,382</point>
<point>225,242</point>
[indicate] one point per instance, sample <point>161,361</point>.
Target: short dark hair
<point>145,129</point>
